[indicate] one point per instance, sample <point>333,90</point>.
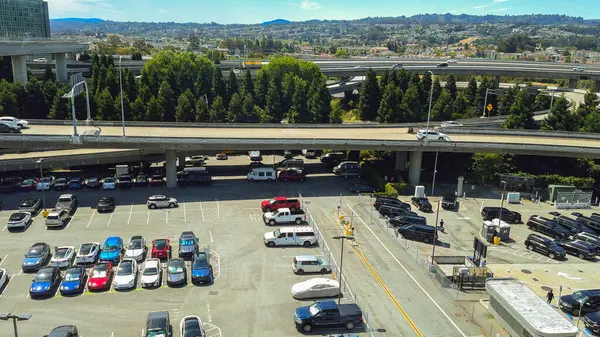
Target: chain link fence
<point>572,200</point>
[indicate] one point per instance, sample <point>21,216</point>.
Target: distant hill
<point>72,25</point>
<point>89,20</point>
<point>276,22</point>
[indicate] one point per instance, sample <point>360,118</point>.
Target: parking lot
<point>251,292</point>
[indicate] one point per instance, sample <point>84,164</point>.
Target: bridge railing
<point>524,133</point>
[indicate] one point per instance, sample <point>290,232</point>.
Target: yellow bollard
<point>45,213</point>
<point>496,240</point>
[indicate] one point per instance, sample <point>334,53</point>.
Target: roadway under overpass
<point>172,140</point>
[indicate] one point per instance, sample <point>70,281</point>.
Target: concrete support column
<point>597,85</point>
<point>401,157</point>
<point>497,82</point>
<point>61,67</point>
<point>181,162</point>
<point>414,167</point>
<point>171,168</point>
<point>572,83</point>
<point>19,69</point>
<point>72,56</point>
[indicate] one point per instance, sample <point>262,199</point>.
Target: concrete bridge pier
<point>496,81</point>
<point>414,167</point>
<point>61,67</point>
<point>72,56</point>
<point>572,83</point>
<point>19,68</point>
<point>597,85</point>
<point>401,157</point>
<point>181,162</point>
<point>171,168</point>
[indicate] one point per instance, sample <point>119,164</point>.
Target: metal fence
<point>572,200</point>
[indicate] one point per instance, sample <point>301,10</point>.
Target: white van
<point>291,236</point>
<point>262,174</point>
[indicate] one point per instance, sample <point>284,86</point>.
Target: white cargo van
<point>262,174</point>
<point>291,236</point>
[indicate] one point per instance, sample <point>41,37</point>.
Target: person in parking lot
<point>442,225</point>
<point>550,296</point>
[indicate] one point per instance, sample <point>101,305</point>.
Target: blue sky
<point>247,11</point>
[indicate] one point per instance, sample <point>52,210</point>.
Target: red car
<point>28,184</point>
<point>291,175</point>
<point>100,276</point>
<point>279,202</point>
<point>221,156</point>
<point>157,180</point>
<point>161,249</point>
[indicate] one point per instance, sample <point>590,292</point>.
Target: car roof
<point>321,280</point>
<point>113,239</point>
<point>66,196</point>
<point>188,234</point>
<point>157,197</point>
<point>39,244</point>
<point>66,247</point>
<point>152,263</point>
<point>176,261</point>
<point>136,237</point>
<point>306,258</point>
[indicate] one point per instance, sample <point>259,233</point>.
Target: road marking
<point>112,334</point>
<point>109,218</point>
<point>3,259</point>
<point>210,236</point>
<point>20,272</point>
<point>130,211</point>
<point>91,218</point>
<point>218,209</point>
<point>167,216</point>
<point>4,228</point>
<point>71,217</point>
<point>7,283</point>
<point>408,273</point>
<point>184,213</point>
<point>208,310</point>
<point>202,210</point>
<point>148,218</point>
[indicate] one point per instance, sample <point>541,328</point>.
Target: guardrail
<point>72,157</point>
<point>526,133</point>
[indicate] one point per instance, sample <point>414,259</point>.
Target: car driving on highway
<point>431,135</point>
<point>578,69</point>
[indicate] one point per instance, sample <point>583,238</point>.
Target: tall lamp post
<point>5,316</point>
<point>437,214</point>
<point>72,95</point>
<point>501,202</point>
<point>343,238</point>
<point>121,88</point>
<point>39,162</point>
<point>430,103</point>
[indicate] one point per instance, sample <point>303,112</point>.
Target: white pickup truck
<point>283,216</point>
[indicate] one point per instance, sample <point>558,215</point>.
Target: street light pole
<point>121,88</point>
<point>343,238</point>
<point>5,316</point>
<point>72,95</point>
<point>437,214</point>
<point>501,202</point>
<point>485,102</point>
<point>430,103</point>
<point>434,172</point>
<point>39,161</point>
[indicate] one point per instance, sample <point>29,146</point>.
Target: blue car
<point>76,183</point>
<point>202,271</point>
<point>37,256</point>
<point>46,282</point>
<point>74,281</point>
<point>112,249</point>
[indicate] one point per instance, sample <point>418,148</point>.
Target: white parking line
<point>109,218</point>
<point>112,334</point>
<point>3,259</point>
<point>408,273</point>
<point>208,311</point>
<point>4,228</point>
<point>7,283</point>
<point>202,210</point>
<point>148,218</point>
<point>167,216</point>
<point>210,236</point>
<point>184,213</point>
<point>91,218</point>
<point>218,209</point>
<point>130,211</point>
<point>71,217</point>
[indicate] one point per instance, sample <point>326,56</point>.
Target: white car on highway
<point>19,220</point>
<point>126,275</point>
<point>151,273</point>
<point>109,183</point>
<point>15,122</point>
<point>88,252</point>
<point>431,135</point>
<point>579,69</point>
<point>45,184</point>
<point>450,124</point>
<point>63,257</point>
<point>451,61</point>
<point>316,288</point>
<point>360,67</point>
<point>191,326</point>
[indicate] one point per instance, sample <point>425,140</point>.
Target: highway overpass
<point>185,137</point>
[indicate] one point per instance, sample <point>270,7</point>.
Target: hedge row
<point>543,180</point>
<point>373,178</point>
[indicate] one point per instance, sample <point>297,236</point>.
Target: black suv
<point>333,158</point>
<point>572,225</point>
<point>449,202</point>
<point>491,213</point>
<point>10,184</point>
<point>589,222</point>
<point>412,219</point>
<point>593,240</point>
<point>548,227</point>
<point>545,246</point>
<point>423,233</point>
<point>422,204</point>
<point>194,178</point>
<point>393,210</point>
<point>579,248</point>
<point>592,322</point>
<point>572,303</point>
<point>390,201</point>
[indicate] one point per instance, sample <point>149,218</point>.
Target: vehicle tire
<point>272,222</point>
<point>269,180</point>
<point>349,325</point>
<point>306,244</point>
<point>251,180</point>
<point>271,244</point>
<point>530,247</point>
<point>285,180</point>
<point>298,221</point>
<point>441,138</point>
<point>300,271</point>
<point>307,328</point>
<point>152,206</point>
<point>268,209</point>
<point>171,205</point>
<point>551,255</point>
<point>11,131</point>
<point>426,240</point>
<point>576,312</point>
<point>302,179</point>
<point>580,256</point>
<point>324,271</point>
<point>292,209</point>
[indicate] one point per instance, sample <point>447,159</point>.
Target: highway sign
<point>77,78</point>
<point>490,107</point>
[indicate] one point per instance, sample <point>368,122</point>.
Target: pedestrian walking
<point>483,264</point>
<point>442,225</point>
<point>550,296</point>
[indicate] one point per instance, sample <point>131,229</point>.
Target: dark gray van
<point>347,169</point>
<point>291,163</point>
<point>158,323</point>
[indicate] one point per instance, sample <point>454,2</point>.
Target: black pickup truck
<point>194,176</point>
<point>327,314</point>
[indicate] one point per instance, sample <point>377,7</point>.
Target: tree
<point>319,103</point>
<point>471,92</point>
<point>384,80</point>
<point>299,111</point>
<point>48,74</point>
<point>129,84</point>
<point>202,111</point>
<point>193,43</point>
<point>166,99</point>
<point>460,107</point>
<point>442,109</point>
<point>487,166</point>
<point>203,86</point>
<point>437,91</point>
<point>560,118</point>
<point>186,104</point>
<point>342,53</point>
<point>426,82</point>
<point>154,112</point>
<point>136,56</point>
<point>127,108</point>
<point>112,81</point>
<point>60,107</point>
<point>247,83</point>
<point>289,88</point>
<point>33,101</point>
<point>591,123</point>
<point>232,85</point>
<point>218,112</point>
<point>273,107</point>
<point>261,89</point>
<point>249,111</point>
<point>370,95</point>
<point>412,106</point>
<point>521,116</point>
<point>105,106</point>
<point>138,110</point>
<point>389,105</point>
<point>235,112</point>
<point>451,86</point>
<point>218,85</point>
<point>335,117</point>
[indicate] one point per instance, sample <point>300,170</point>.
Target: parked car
<point>125,181</point>
<point>546,226</point>
<point>310,264</point>
<point>63,330</point>
<point>136,248</point>
<point>74,281</point>
<point>112,249</point>
<point>591,239</point>
<point>284,216</point>
<point>188,245</point>
<point>535,242</point>
<point>327,314</point>
<point>221,156</point>
<point>491,213</point>
<point>45,184</point>
<point>431,135</point>
<point>36,257</point>
<point>363,188</point>
<point>28,184</point>
<point>46,282</point>
<point>202,270</point>
<point>291,175</point>
<point>92,182</point>
<point>265,173</point>
<point>279,202</point>
<point>141,180</point>
<point>4,278</point>
<point>157,180</point>
<point>333,158</point>
<point>10,184</point>
<point>161,201</point>
<point>63,257</point>
<point>109,183</point>
<point>419,232</point>
<point>158,324</point>
<point>88,252</point>
<point>61,184</point>
<point>194,176</point>
<point>579,248</point>
<point>291,236</point>
<point>394,210</point>
<point>347,169</point>
<point>151,274</point>
<point>449,202</point>
<point>19,220</point>
<point>316,288</point>
<point>407,219</point>
<point>57,218</point>
<point>161,249</point>
<point>176,272</point>
<point>68,202</point>
<point>100,276</point>
<point>191,326</point>
<point>106,204</point>
<point>382,200</point>
<point>76,183</point>
<point>126,275</point>
<point>572,303</point>
<point>422,204</point>
<point>572,225</point>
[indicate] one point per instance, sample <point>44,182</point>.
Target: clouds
<point>309,5</point>
<point>62,7</point>
<point>481,6</point>
<point>500,1</point>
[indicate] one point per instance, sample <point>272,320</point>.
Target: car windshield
<point>276,233</point>
<point>72,275</point>
<point>125,269</point>
<point>104,200</point>
<point>272,201</point>
<point>17,217</point>
<point>579,296</point>
<point>160,244</point>
<point>27,181</point>
<point>192,328</point>
<point>92,180</point>
<point>53,216</point>
<point>135,244</point>
<point>85,249</point>
<point>61,253</point>
<point>448,198</point>
<point>35,252</point>
<point>175,269</point>
<point>313,309</point>
<point>187,242</point>
<point>110,247</point>
<point>151,271</point>
<point>43,276</point>
<point>46,180</point>
<point>200,261</point>
<point>66,200</point>
<point>99,271</point>
<point>157,333</point>
<point>109,180</point>
<point>27,202</point>
<point>61,180</point>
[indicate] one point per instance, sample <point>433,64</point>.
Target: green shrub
<point>371,176</point>
<point>391,190</point>
<point>543,180</point>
